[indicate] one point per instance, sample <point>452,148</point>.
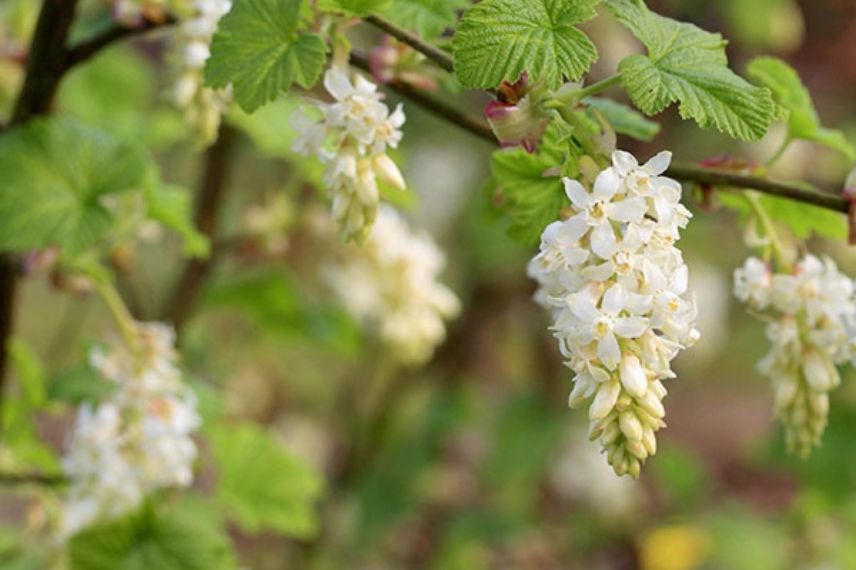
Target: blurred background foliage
<point>474,461</point>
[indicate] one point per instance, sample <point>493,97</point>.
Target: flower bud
<point>633,375</point>
<point>630,426</point>
<point>604,400</point>
<point>819,371</point>
<point>388,171</point>
<point>516,124</point>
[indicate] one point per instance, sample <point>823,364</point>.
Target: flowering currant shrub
<point>256,348</point>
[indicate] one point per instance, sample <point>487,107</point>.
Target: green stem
<point>120,312</point>
<point>599,86</point>
<point>587,143</point>
<point>786,143</point>
<point>778,248</point>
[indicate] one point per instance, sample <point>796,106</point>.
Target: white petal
<point>630,210</point>
<point>603,241</point>
<point>608,351</point>
<point>600,272</point>
<point>680,280</point>
<point>614,299</point>
<point>631,327</point>
<point>659,163</point>
<point>337,84</point>
<point>582,308</point>
<point>576,193</point>
<point>624,162</point>
<point>572,229</point>
<point>606,184</point>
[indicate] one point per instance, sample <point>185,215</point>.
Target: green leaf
<point>791,94</point>
<point>499,39</point>
<point>532,191</point>
<point>31,377</point>
<point>802,220</point>
<point>260,485</point>
<point>23,447</point>
<point>258,50</point>
<point>272,300</point>
<point>688,66</point>
<point>428,18</point>
<point>623,119</point>
<point>182,538</point>
<point>171,206</point>
<point>57,174</point>
<point>352,7</point>
<point>116,91</point>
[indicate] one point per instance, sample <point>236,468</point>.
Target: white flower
<point>351,140</point>
<point>138,439</point>
<point>616,285</point>
<point>189,51</point>
<point>753,283</point>
<point>810,312</point>
<point>390,284</point>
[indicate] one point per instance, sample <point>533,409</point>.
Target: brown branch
<point>208,205</point>
<point>87,49</point>
<point>451,114</point>
<point>435,54</point>
<point>714,177</point>
<point>709,176</point>
<point>44,70</point>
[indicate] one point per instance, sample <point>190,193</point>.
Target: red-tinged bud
<point>516,125</point>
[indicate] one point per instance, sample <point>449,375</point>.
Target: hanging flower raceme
<point>202,105</point>
<point>135,441</point>
<point>351,140</point>
<point>390,283</point>
<point>615,284</point>
<point>810,311</point>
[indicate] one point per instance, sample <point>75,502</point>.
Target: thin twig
<point>45,67</point>
<point>86,49</point>
<point>208,205</point>
<point>431,104</point>
<point>713,177</point>
<point>435,54</point>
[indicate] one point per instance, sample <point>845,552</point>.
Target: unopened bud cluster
<point>391,284</point>
<point>810,312</point>
<point>351,139</point>
<point>135,441</point>
<point>615,284</point>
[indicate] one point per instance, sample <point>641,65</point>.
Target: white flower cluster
<point>351,140</point>
<point>190,50</point>
<point>615,282</point>
<point>390,283</point>
<point>138,439</point>
<point>810,312</point>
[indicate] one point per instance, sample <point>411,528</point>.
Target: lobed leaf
<point>428,18</point>
<point>182,538</point>
<point>260,485</point>
<point>258,50</point>
<point>58,175</point>
<point>791,94</point>
<point>497,40</point>
<point>688,66</point>
<point>531,188</point>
